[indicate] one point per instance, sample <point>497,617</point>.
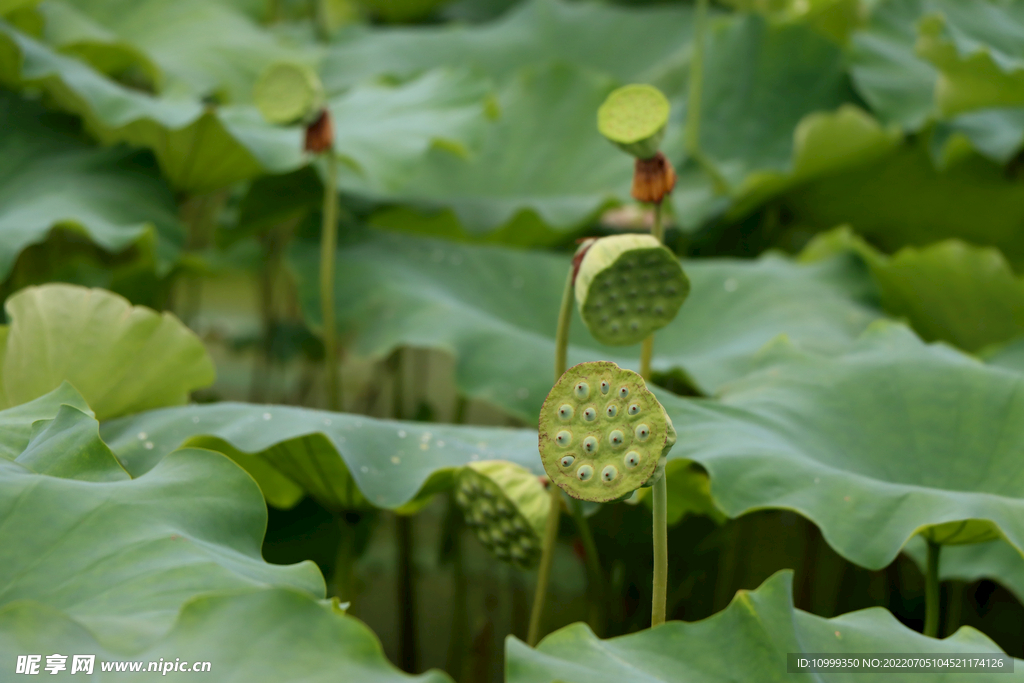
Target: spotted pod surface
<point>506,506</point>
<point>602,432</point>
<point>627,287</point>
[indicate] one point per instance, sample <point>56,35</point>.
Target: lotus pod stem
<point>627,287</point>
<point>931,591</point>
<point>328,247</point>
<point>659,494</point>
<point>602,432</point>
<point>506,506</point>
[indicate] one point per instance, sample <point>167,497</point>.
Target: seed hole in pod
<point>590,414</point>
<point>614,327</point>
<point>629,264</point>
<point>613,296</point>
<point>633,409</point>
<point>567,460</point>
<point>604,318</point>
<point>605,386</point>
<point>590,444</point>
<point>609,473</point>
<point>566,411</point>
<point>634,325</point>
<point>563,438</point>
<point>659,310</point>
<point>582,390</point>
<point>670,291</point>
<point>642,431</point>
<point>623,392</point>
<point>632,459</point>
<point>584,472</point>
<point>598,305</point>
<point>665,272</point>
<point>624,280</point>
<point>622,309</point>
<point>653,291</point>
<point>640,308</point>
<point>645,276</point>
<point>611,410</point>
<point>502,509</point>
<point>633,293</point>
<point>615,438</point>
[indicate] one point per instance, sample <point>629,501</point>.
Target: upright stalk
<point>594,574</point>
<point>691,132</point>
<point>931,591</point>
<point>659,493</point>
<point>328,247</point>
<point>554,493</point>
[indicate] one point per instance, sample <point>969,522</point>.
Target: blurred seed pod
<point>634,118</point>
<point>288,93</point>
<point>603,434</point>
<point>627,287</point>
<point>507,507</point>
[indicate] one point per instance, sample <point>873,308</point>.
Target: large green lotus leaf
<point>949,291</point>
<point>996,560</point>
<point>543,156</point>
<point>122,358</point>
<point>343,460</point>
<point>202,148</point>
<point>16,423</point>
<point>902,199</point>
<point>893,438</point>
<point>627,44</point>
<point>258,636</point>
<point>190,48</point>
<point>121,555</point>
<point>887,71</point>
<point>495,310</point>
<point>748,641</point>
<point>977,49</point>
<point>49,178</point>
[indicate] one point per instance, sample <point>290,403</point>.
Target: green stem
<point>404,535</point>
<point>554,492</point>
<point>328,247</point>
<point>647,348</point>
<point>595,575</point>
<point>931,591</point>
<point>455,659</point>
<point>344,573</point>
<point>659,498</point>
<point>691,132</point>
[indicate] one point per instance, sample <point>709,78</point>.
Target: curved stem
<point>554,493</point>
<point>595,575</point>
<point>328,247</point>
<point>931,591</point>
<point>660,588</point>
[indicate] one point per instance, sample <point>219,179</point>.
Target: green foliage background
<point>845,378</point>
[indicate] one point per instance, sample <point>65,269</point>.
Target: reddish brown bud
<point>653,179</point>
<point>320,134</point>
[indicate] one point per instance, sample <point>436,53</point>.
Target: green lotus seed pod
<point>634,118</point>
<point>627,287</point>
<point>507,506</point>
<point>618,452</point>
<point>288,93</point>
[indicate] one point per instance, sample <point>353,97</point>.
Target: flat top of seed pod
<point>288,93</point>
<point>602,432</point>
<point>632,113</point>
<point>627,287</point>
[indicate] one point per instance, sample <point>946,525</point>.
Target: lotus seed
<point>670,291</point>
<point>563,438</point>
<point>634,325</point>
<point>640,308</point>
<point>613,296</point>
<point>585,472</point>
<point>615,438</point>
<point>614,327</point>
<point>653,291</point>
<point>642,431</point>
<point>590,444</point>
<point>502,509</point>
<point>611,410</point>
<point>566,411</point>
<point>660,310</point>
<point>633,409</point>
<point>623,392</point>
<point>605,386</point>
<point>568,460</point>
<point>632,459</point>
<point>589,414</point>
<point>609,473</point>
<point>582,390</point>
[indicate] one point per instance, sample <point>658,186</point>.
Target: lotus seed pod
<point>628,286</point>
<point>619,452</point>
<point>634,118</point>
<point>288,93</point>
<point>507,506</point>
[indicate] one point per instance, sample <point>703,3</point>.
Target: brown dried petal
<point>653,179</point>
